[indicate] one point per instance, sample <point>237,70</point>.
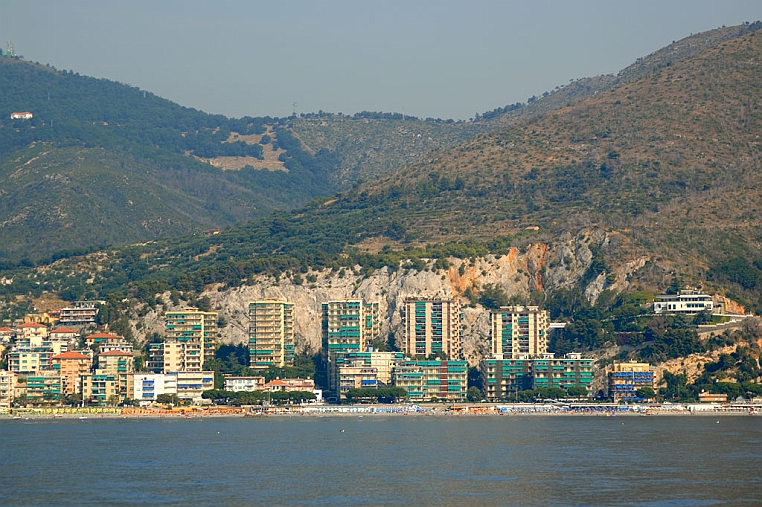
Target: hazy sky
<point>446,59</point>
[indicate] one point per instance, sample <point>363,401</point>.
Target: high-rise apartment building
<point>432,327</point>
<point>271,333</point>
<point>348,326</point>
<point>189,341</point>
<point>518,332</point>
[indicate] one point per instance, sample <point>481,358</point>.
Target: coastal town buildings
<point>518,332</point>
<point>7,389</point>
<point>624,379</point>
<point>71,366</point>
<point>271,334</point>
<point>190,337</point>
<point>433,379</point>
<point>80,314</point>
<point>248,384</point>
<point>348,326</point>
<point>432,328</point>
<point>503,378</point>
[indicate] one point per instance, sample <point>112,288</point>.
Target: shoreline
<point>320,411</point>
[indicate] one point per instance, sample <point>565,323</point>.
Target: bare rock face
<point>519,272</point>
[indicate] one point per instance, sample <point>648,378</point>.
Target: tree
<point>168,399</point>
<point>646,392</point>
<point>474,394</point>
<point>576,391</point>
<point>492,297</point>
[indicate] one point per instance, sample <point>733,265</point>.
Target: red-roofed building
<point>71,365</point>
<point>105,342</point>
<point>290,384</point>
<point>6,334</point>
<point>31,330</point>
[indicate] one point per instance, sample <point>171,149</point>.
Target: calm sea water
<point>417,461</point>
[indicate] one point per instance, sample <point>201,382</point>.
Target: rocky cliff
<point>537,267</point>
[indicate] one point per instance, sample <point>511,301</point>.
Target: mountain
<point>103,163</point>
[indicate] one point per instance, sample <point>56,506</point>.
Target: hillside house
<point>21,115</point>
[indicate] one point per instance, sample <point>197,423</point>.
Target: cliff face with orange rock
<point>538,267</point>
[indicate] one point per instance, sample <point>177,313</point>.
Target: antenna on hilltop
<point>294,108</point>
<point>11,51</point>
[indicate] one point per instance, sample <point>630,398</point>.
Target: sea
<point>383,460</point>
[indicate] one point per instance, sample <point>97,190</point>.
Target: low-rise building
<point>290,385</point>
<point>624,379</point>
<point>191,385</point>
<point>441,380</point>
<point>32,331</point>
<point>503,377</point>
<point>357,375</point>
<point>248,384</point>
<point>80,314</point>
<point>705,397</point>
<point>145,387</point>
<point>687,301</point>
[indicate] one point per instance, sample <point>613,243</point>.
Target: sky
<point>427,58</point>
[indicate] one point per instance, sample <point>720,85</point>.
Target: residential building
<point>116,362</point>
<point>248,384</point>
<point>189,341</point>
<point>348,326</point>
<point>518,331</point>
<point>80,314</point>
<point>433,379</point>
<point>120,364</point>
<point>145,387</point>
<point>705,397</point>
<point>357,375</point>
<point>383,363</point>
<point>32,331</point>
<point>63,339</point>
<point>100,387</point>
<point>71,365</point>
<point>105,341</point>
<point>191,385</point>
<point>626,378</point>
<point>44,386</point>
<point>7,334</point>
<point>290,384</point>
<point>271,333</point>
<point>688,302</point>
<point>503,378</point>
<point>432,328</point>
<point>26,360</point>
<point>21,115</point>
<point>7,389</point>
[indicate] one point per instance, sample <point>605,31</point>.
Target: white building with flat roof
<point>687,301</point>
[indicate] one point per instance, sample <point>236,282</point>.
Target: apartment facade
<point>271,333</point>
<point>71,365</point>
<point>190,337</point>
<point>7,389</point>
<point>518,332</point>
<point>348,327</point>
<point>624,379</point>
<point>432,327</point>
<point>247,384</point>
<point>503,378</point>
<point>427,379</point>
